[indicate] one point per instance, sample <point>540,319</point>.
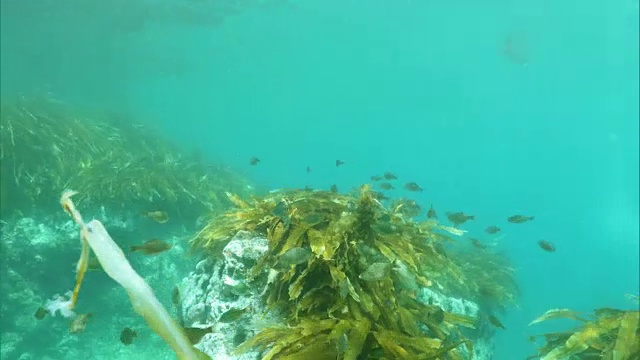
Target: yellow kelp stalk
<point>93,235</point>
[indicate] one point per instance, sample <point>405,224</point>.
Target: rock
<point>213,288</point>
<point>217,286</point>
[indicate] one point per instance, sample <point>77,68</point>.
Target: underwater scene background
<point>176,119</point>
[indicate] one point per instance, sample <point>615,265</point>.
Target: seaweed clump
<point>491,279</point>
<point>344,271</point>
<point>47,146</point>
<point>606,334</point>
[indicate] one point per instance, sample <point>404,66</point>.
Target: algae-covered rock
<point>346,276</point>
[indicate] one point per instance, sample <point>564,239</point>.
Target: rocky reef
<point>220,284</point>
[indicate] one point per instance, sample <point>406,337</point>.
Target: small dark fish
<point>41,313</point>
<point>477,243</point>
<point>93,264</point>
<point>233,315</point>
<point>411,186</point>
<point>79,323</point>
<point>386,186</point>
<point>519,219</point>
<point>376,271</point>
<point>175,296</point>
<point>294,256</point>
<point>339,162</point>
<point>334,188</point>
<point>546,246</point>
<point>152,247</point>
<point>492,230</point>
<point>281,210</point>
<point>431,213</point>
<point>389,176</point>
<point>459,218</point>
<point>254,161</point>
<point>376,178</point>
<point>158,216</point>
<point>195,334</point>
<point>495,322</point>
<point>308,169</point>
<point>127,335</point>
<point>435,313</point>
<point>379,195</point>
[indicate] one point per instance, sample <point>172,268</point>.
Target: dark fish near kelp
<point>175,296</point>
<point>477,243</point>
<point>376,178</point>
<point>339,163</point>
<point>492,230</point>
<point>152,247</point>
<point>386,186</point>
<point>294,256</point>
<point>158,216</point>
<point>40,313</point>
<point>495,322</point>
<point>431,213</point>
<point>79,323</point>
<point>459,218</point>
<point>233,314</point>
<point>254,161</point>
<point>127,335</point>
<point>195,334</point>
<point>389,176</point>
<point>411,186</point>
<point>546,246</point>
<point>519,219</point>
<point>376,271</point>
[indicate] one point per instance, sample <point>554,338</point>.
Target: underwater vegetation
<point>47,146</point>
<point>605,334</point>
<point>345,271</point>
<point>491,277</point>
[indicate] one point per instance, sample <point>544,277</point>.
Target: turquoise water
<point>425,90</point>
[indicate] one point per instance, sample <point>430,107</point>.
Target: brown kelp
<point>344,272</point>
<point>605,334</point>
<point>47,146</point>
